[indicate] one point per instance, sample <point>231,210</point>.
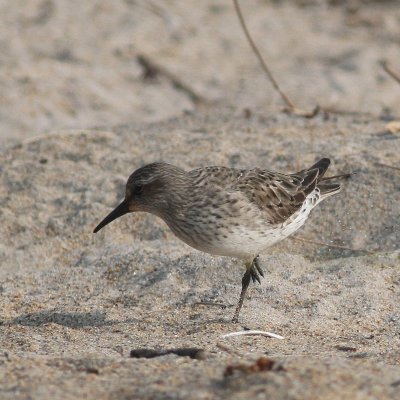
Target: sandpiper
<point>226,211</point>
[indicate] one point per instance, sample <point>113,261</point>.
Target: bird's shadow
<point>70,320</point>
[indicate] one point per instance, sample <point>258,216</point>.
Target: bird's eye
<point>138,189</point>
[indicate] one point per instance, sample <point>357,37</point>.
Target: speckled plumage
<point>226,211</point>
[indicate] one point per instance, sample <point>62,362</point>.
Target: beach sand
<point>74,304</point>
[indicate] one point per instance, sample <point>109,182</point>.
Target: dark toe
<point>258,266</point>
<point>254,276</point>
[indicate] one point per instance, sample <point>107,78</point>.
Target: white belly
<point>246,243</point>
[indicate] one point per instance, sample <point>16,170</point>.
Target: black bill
<point>118,212</point>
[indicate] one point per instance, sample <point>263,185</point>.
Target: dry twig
<point>389,70</point>
<point>290,106</point>
<point>387,166</point>
<point>151,70</point>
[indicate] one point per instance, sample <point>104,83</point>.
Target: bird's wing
<point>221,176</point>
<point>277,195</point>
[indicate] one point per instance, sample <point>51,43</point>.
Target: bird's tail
<point>326,189</point>
<point>322,165</point>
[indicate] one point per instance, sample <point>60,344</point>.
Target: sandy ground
<point>73,304</point>
<point>73,64</point>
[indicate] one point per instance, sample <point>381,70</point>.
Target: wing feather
<point>276,195</point>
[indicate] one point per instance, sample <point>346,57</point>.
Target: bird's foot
<point>255,271</point>
<point>256,263</point>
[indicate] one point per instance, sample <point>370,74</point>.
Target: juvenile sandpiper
<point>226,211</point>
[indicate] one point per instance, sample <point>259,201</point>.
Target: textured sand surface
<point>73,64</point>
<point>74,304</point>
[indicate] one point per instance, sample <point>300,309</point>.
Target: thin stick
<point>291,107</point>
<point>155,69</point>
<point>388,166</point>
<point>386,67</point>
<point>210,303</point>
<point>334,246</point>
<point>336,111</point>
<point>259,56</point>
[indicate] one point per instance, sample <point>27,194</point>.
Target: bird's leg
<point>245,285</point>
<point>253,271</point>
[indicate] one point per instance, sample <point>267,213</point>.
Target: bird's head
<point>151,189</point>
